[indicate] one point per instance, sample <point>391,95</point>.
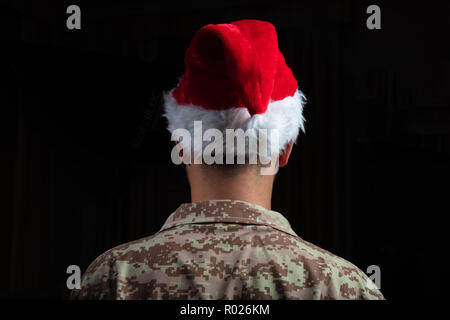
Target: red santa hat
<point>236,77</point>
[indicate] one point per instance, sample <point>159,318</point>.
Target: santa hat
<point>236,77</point>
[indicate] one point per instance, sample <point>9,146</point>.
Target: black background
<point>85,155</point>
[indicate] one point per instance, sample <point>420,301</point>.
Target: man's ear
<point>284,157</point>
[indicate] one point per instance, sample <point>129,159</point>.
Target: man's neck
<point>245,186</point>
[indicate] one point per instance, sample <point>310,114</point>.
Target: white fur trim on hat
<point>285,115</point>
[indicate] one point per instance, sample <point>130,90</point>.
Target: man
<point>228,243</point>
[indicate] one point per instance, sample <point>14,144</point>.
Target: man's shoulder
<point>160,244</point>
<point>338,278</point>
<point>101,277</point>
<point>131,251</point>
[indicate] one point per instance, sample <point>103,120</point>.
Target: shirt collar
<point>227,211</point>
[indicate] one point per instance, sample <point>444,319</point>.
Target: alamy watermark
<point>74,280</point>
<point>74,20</point>
<point>234,146</point>
<point>374,20</point>
<point>374,280</point>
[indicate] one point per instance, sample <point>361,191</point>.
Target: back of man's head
<point>237,108</point>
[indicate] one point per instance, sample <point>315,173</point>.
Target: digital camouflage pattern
<point>224,249</point>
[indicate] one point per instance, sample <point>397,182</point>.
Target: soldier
<point>228,243</point>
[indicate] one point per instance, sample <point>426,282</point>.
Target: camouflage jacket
<point>224,249</point>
